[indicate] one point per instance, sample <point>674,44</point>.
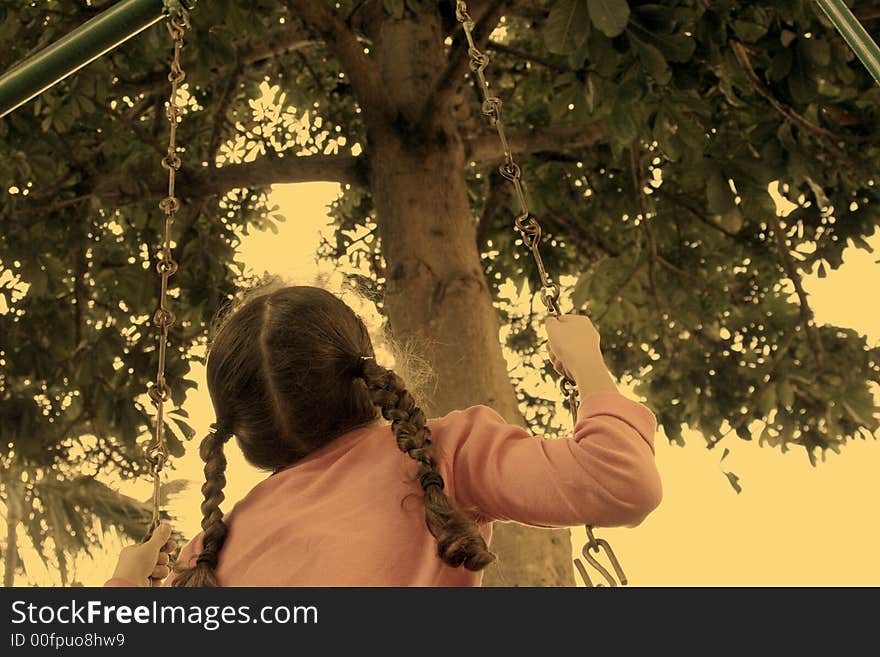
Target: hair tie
<point>222,428</point>
<point>207,556</point>
<point>430,478</point>
<point>357,369</point>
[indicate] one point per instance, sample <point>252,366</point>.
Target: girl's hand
<point>140,563</point>
<point>573,344</point>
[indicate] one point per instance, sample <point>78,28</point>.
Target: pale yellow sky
<point>792,525</point>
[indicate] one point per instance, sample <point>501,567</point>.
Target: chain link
<point>526,223</point>
<point>530,229</point>
<point>156,454</point>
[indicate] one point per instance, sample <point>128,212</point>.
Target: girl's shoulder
<point>470,413</point>
<point>458,424</point>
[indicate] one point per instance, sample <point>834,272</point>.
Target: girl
<point>292,376</point>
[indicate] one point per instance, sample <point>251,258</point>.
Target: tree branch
<point>362,71</point>
<point>529,57</point>
<point>620,288</point>
<point>277,170</point>
<point>682,201</point>
<point>536,140</point>
<point>638,177</point>
<point>458,61</point>
<point>313,73</point>
<point>45,211</point>
<point>805,311</point>
<point>220,110</point>
<point>277,43</point>
<point>274,43</point>
<point>560,219</point>
<point>639,184</point>
<point>828,137</point>
<point>271,170</point>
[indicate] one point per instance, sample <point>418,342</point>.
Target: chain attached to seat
<point>530,229</point>
<point>159,392</point>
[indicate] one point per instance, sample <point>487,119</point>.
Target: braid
<point>211,451</point>
<point>459,540</point>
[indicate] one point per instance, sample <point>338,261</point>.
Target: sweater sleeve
<point>186,557</point>
<point>604,475</point>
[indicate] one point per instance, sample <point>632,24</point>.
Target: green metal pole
<point>85,44</point>
<point>850,29</point>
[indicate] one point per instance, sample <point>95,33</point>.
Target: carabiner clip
<point>597,545</point>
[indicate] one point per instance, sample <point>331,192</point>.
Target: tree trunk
<point>13,518</point>
<point>436,288</point>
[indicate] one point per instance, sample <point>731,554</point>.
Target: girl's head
<point>288,371</point>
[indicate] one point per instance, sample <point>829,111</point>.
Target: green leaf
<point>780,65</point>
<point>630,91</point>
<point>652,59</point>
<point>394,8</point>
<point>623,127</point>
<point>674,432</point>
<point>816,50</point>
<point>734,481</point>
<point>609,16</point>
<point>801,84</point>
<point>630,310</point>
<point>186,429</point>
<point>656,18</point>
<point>418,6</point>
<point>861,243</point>
<point>732,221</point>
<point>38,278</point>
<point>767,402</point>
<point>567,27</point>
<point>578,58</point>
<point>590,93</point>
<point>748,31</point>
<point>719,197</point>
<point>853,413</point>
<point>604,57</point>
<point>674,47</point>
<point>665,132</point>
<point>581,290</point>
<point>786,394</point>
<point>692,134</point>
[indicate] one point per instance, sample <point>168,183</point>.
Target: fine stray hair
<point>286,376</point>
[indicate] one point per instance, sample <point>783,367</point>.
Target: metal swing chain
<point>530,230</point>
<point>159,391</point>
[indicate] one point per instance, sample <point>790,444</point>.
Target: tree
<point>648,134</point>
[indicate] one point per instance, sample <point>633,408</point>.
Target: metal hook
<point>598,545</point>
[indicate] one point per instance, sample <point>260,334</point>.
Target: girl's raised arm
<point>604,475</point>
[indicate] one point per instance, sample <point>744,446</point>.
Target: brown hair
<point>286,376</point>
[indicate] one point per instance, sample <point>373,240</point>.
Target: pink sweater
<point>336,518</point>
